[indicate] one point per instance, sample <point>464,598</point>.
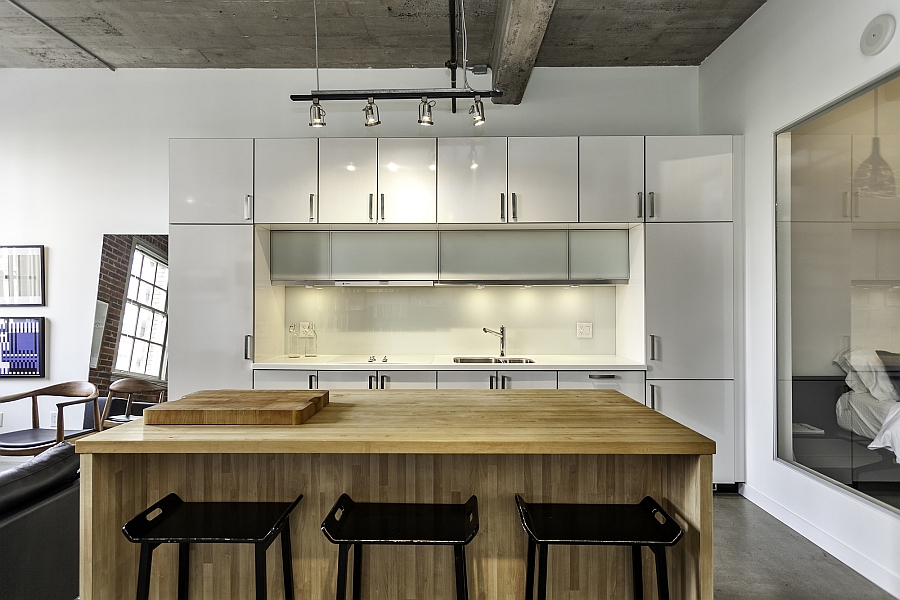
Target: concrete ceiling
<point>366,33</point>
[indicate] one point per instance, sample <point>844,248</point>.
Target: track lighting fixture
<point>425,117</point>
<point>371,110</point>
<point>316,114</point>
<point>477,112</point>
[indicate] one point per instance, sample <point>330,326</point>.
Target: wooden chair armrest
<point>60,415</point>
<point>12,397</point>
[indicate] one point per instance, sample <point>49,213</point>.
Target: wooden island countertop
<point>431,422</point>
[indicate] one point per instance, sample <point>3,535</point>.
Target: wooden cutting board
<point>239,407</point>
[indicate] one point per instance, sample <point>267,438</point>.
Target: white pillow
<point>871,373</point>
<point>852,380</point>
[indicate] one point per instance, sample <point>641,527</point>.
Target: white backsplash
<point>875,320</point>
<point>449,319</point>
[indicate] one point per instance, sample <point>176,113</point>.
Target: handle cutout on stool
<point>659,517</point>
<point>338,514</point>
<point>154,513</point>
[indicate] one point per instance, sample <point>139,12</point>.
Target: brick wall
<point>115,264</point>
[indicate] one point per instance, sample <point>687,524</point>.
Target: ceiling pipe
<point>452,64</point>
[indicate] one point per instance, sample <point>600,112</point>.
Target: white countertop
<point>410,362</point>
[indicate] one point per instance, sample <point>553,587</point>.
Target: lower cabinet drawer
<point>283,379</point>
<point>630,383</point>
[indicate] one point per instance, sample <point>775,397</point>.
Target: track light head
<point>425,117</point>
<point>477,112</point>
<point>371,110</point>
<point>316,114</point>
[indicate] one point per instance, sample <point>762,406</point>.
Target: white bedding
<point>862,413</point>
<point>889,435</point>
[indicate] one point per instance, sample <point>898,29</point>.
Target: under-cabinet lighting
<point>351,167</point>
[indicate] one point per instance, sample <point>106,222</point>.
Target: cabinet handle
<point>653,396</point>
<point>248,347</point>
<point>313,382</point>
<point>371,200</point>
<point>248,207</point>
<point>515,207</point>
<point>855,204</point>
<point>382,207</point>
<point>384,379</point>
<point>492,382</point>
<point>602,376</point>
<point>372,385</point>
<point>846,197</point>
<point>502,206</point>
<point>652,197</point>
<point>312,198</point>
<point>653,347</point>
<point>640,205</point>
<point>503,380</point>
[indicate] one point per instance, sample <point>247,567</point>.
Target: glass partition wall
<point>838,292</point>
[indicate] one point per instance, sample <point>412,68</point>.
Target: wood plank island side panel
<point>122,485</point>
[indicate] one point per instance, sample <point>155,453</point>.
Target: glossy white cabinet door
<point>210,181</point>
<point>471,180</point>
<point>407,180</point>
<point>527,380</point>
<point>283,379</point>
<point>820,174</point>
<point>407,380</point>
<point>543,180</point>
<point>611,179</point>
<point>347,380</point>
<point>630,383</point>
<point>869,208</point>
<point>689,178</point>
<point>210,307</point>
<point>690,300</point>
<point>466,380</point>
<point>348,180</point>
<point>707,407</point>
<point>286,180</point>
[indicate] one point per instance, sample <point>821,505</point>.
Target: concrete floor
<point>757,556</point>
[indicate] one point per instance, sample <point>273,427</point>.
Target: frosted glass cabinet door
<point>471,180</point>
<point>543,180</point>
<point>210,307</point>
<point>707,407</point>
<point>689,178</point>
<point>384,255</point>
<point>286,180</point>
<point>406,180</point>
<point>211,181</point>
<point>348,180</point>
<point>507,255</point>
<point>611,179</point>
<point>690,300</point>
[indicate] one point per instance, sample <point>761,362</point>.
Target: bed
<point>871,409</point>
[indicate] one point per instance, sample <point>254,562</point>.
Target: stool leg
<point>343,550</point>
<point>357,571</point>
<point>542,571</point>
<point>143,583</point>
<point>529,571</point>
<point>260,550</point>
<point>662,576</point>
<point>184,566</point>
<point>462,580</point>
<point>637,572</point>
<point>287,562</point>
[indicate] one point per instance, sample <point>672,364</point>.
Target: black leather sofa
<point>39,510</point>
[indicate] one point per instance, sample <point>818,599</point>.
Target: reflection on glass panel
<point>144,323</point>
<point>139,357</point>
<point>123,356</point>
<point>136,264</point>
<point>158,334</point>
<point>838,272</point>
<point>148,271</point>
<point>129,319</point>
<point>133,284</point>
<point>154,360</point>
<point>159,299</point>
<point>145,293</point>
<point>162,277</point>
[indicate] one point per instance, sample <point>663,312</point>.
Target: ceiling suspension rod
<point>60,33</point>
<point>452,63</point>
<point>431,93</point>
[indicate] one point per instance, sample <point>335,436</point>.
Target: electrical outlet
<point>584,330</point>
<point>53,419</point>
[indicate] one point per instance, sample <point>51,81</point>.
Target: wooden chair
<point>129,387</point>
<point>29,442</point>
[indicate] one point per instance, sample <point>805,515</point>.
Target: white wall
<point>85,152</point>
<point>789,59</point>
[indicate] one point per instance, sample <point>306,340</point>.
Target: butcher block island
<point>569,446</point>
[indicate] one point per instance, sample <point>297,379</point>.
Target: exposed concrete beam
<point>518,33</point>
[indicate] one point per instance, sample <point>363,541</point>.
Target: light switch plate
<point>584,330</point>
<point>53,419</point>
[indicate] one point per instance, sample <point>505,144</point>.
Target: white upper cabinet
<point>611,179</point>
<point>286,180</point>
<point>471,180</point>
<point>210,181</point>
<point>406,180</point>
<point>689,178</point>
<point>543,180</point>
<point>819,178</point>
<point>348,180</point>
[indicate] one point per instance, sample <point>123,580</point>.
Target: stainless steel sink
<point>491,360</point>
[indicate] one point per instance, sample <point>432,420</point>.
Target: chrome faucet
<point>500,334</point>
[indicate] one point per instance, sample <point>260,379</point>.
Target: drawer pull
<point>602,376</point>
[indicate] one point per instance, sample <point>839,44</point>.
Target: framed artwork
<point>22,346</point>
<point>22,276</point>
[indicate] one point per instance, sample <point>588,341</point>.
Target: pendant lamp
<point>874,176</point>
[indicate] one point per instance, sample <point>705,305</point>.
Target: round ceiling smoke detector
<point>877,35</point>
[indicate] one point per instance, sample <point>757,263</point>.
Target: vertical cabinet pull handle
<point>846,198</point>
<point>652,197</point>
<point>313,382</point>
<point>371,200</point>
<point>384,382</point>
<point>372,382</point>
<point>855,204</point>
<point>640,205</point>
<point>502,206</point>
<point>515,207</point>
<point>492,382</point>
<point>248,347</point>
<point>312,198</point>
<point>653,347</point>
<point>248,207</point>
<point>503,380</point>
<point>382,207</point>
<point>652,396</point>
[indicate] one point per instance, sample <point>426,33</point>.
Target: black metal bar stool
<point>357,523</point>
<point>172,520</point>
<point>635,525</point>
